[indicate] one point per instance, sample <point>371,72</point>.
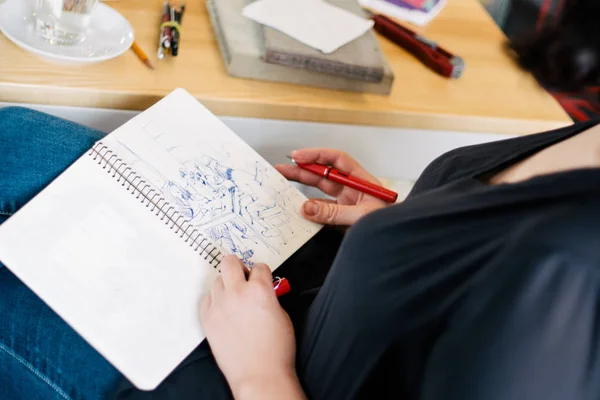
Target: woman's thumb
<point>330,213</point>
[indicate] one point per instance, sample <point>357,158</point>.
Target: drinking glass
<point>63,22</point>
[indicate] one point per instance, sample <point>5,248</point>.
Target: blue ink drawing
<point>239,211</point>
<point>242,210</point>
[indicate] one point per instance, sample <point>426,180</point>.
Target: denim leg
<point>41,357</point>
<point>34,149</point>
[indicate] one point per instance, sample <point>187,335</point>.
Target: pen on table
<point>164,39</point>
<point>167,17</point>
<point>141,55</point>
<point>350,181</point>
<point>175,33</point>
<point>427,51</point>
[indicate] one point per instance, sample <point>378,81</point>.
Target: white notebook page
<point>111,269</point>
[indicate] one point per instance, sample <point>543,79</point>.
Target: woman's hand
<point>250,335</point>
<point>350,204</point>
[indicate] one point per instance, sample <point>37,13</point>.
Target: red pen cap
<point>281,286</point>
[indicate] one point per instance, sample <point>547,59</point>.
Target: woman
<point>483,284</point>
<point>558,41</point>
<point>563,51</point>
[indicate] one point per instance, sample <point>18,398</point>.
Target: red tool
<point>438,59</point>
<point>281,286</point>
<point>352,182</point>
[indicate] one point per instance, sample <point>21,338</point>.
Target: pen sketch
<point>240,203</point>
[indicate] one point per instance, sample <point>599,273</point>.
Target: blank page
<point>111,269</point>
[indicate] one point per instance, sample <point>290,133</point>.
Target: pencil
<point>141,55</point>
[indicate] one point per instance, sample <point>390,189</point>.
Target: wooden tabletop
<point>492,96</point>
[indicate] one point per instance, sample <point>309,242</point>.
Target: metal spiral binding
<point>153,200</point>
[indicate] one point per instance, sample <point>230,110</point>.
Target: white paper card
<point>315,23</point>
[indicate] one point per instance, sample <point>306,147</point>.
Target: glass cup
<point>63,22</point>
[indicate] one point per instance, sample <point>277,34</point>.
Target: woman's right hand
<point>349,204</point>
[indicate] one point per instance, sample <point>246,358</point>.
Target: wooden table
<point>492,96</point>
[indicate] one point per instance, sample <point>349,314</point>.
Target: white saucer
<point>108,36</point>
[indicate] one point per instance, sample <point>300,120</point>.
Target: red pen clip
<point>438,59</point>
<point>281,286</point>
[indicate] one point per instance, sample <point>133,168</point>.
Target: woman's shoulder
<point>482,158</point>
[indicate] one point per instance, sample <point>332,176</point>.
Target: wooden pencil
<point>141,55</point>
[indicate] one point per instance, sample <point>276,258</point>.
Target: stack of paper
<point>315,23</point>
<point>418,12</point>
<point>354,60</point>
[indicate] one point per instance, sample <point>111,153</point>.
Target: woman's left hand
<point>251,336</point>
<point>350,205</point>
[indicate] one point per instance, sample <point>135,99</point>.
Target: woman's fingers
<point>332,201</point>
<point>296,174</point>
<point>232,271</point>
<point>336,158</point>
<point>204,305</point>
<point>330,213</point>
<point>217,288</point>
<point>261,272</point>
<point>234,275</point>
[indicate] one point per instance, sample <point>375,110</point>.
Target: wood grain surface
<point>492,96</point>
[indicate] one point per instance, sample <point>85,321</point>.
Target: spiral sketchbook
<point>124,244</point>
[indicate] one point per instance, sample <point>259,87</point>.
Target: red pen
<point>281,286</point>
<point>429,52</point>
<point>348,180</point>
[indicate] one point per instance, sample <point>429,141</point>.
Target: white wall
<point>398,154</point>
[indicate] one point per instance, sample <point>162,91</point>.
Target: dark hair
<point>565,54</point>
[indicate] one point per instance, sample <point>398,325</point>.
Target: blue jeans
<point>41,357</point>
